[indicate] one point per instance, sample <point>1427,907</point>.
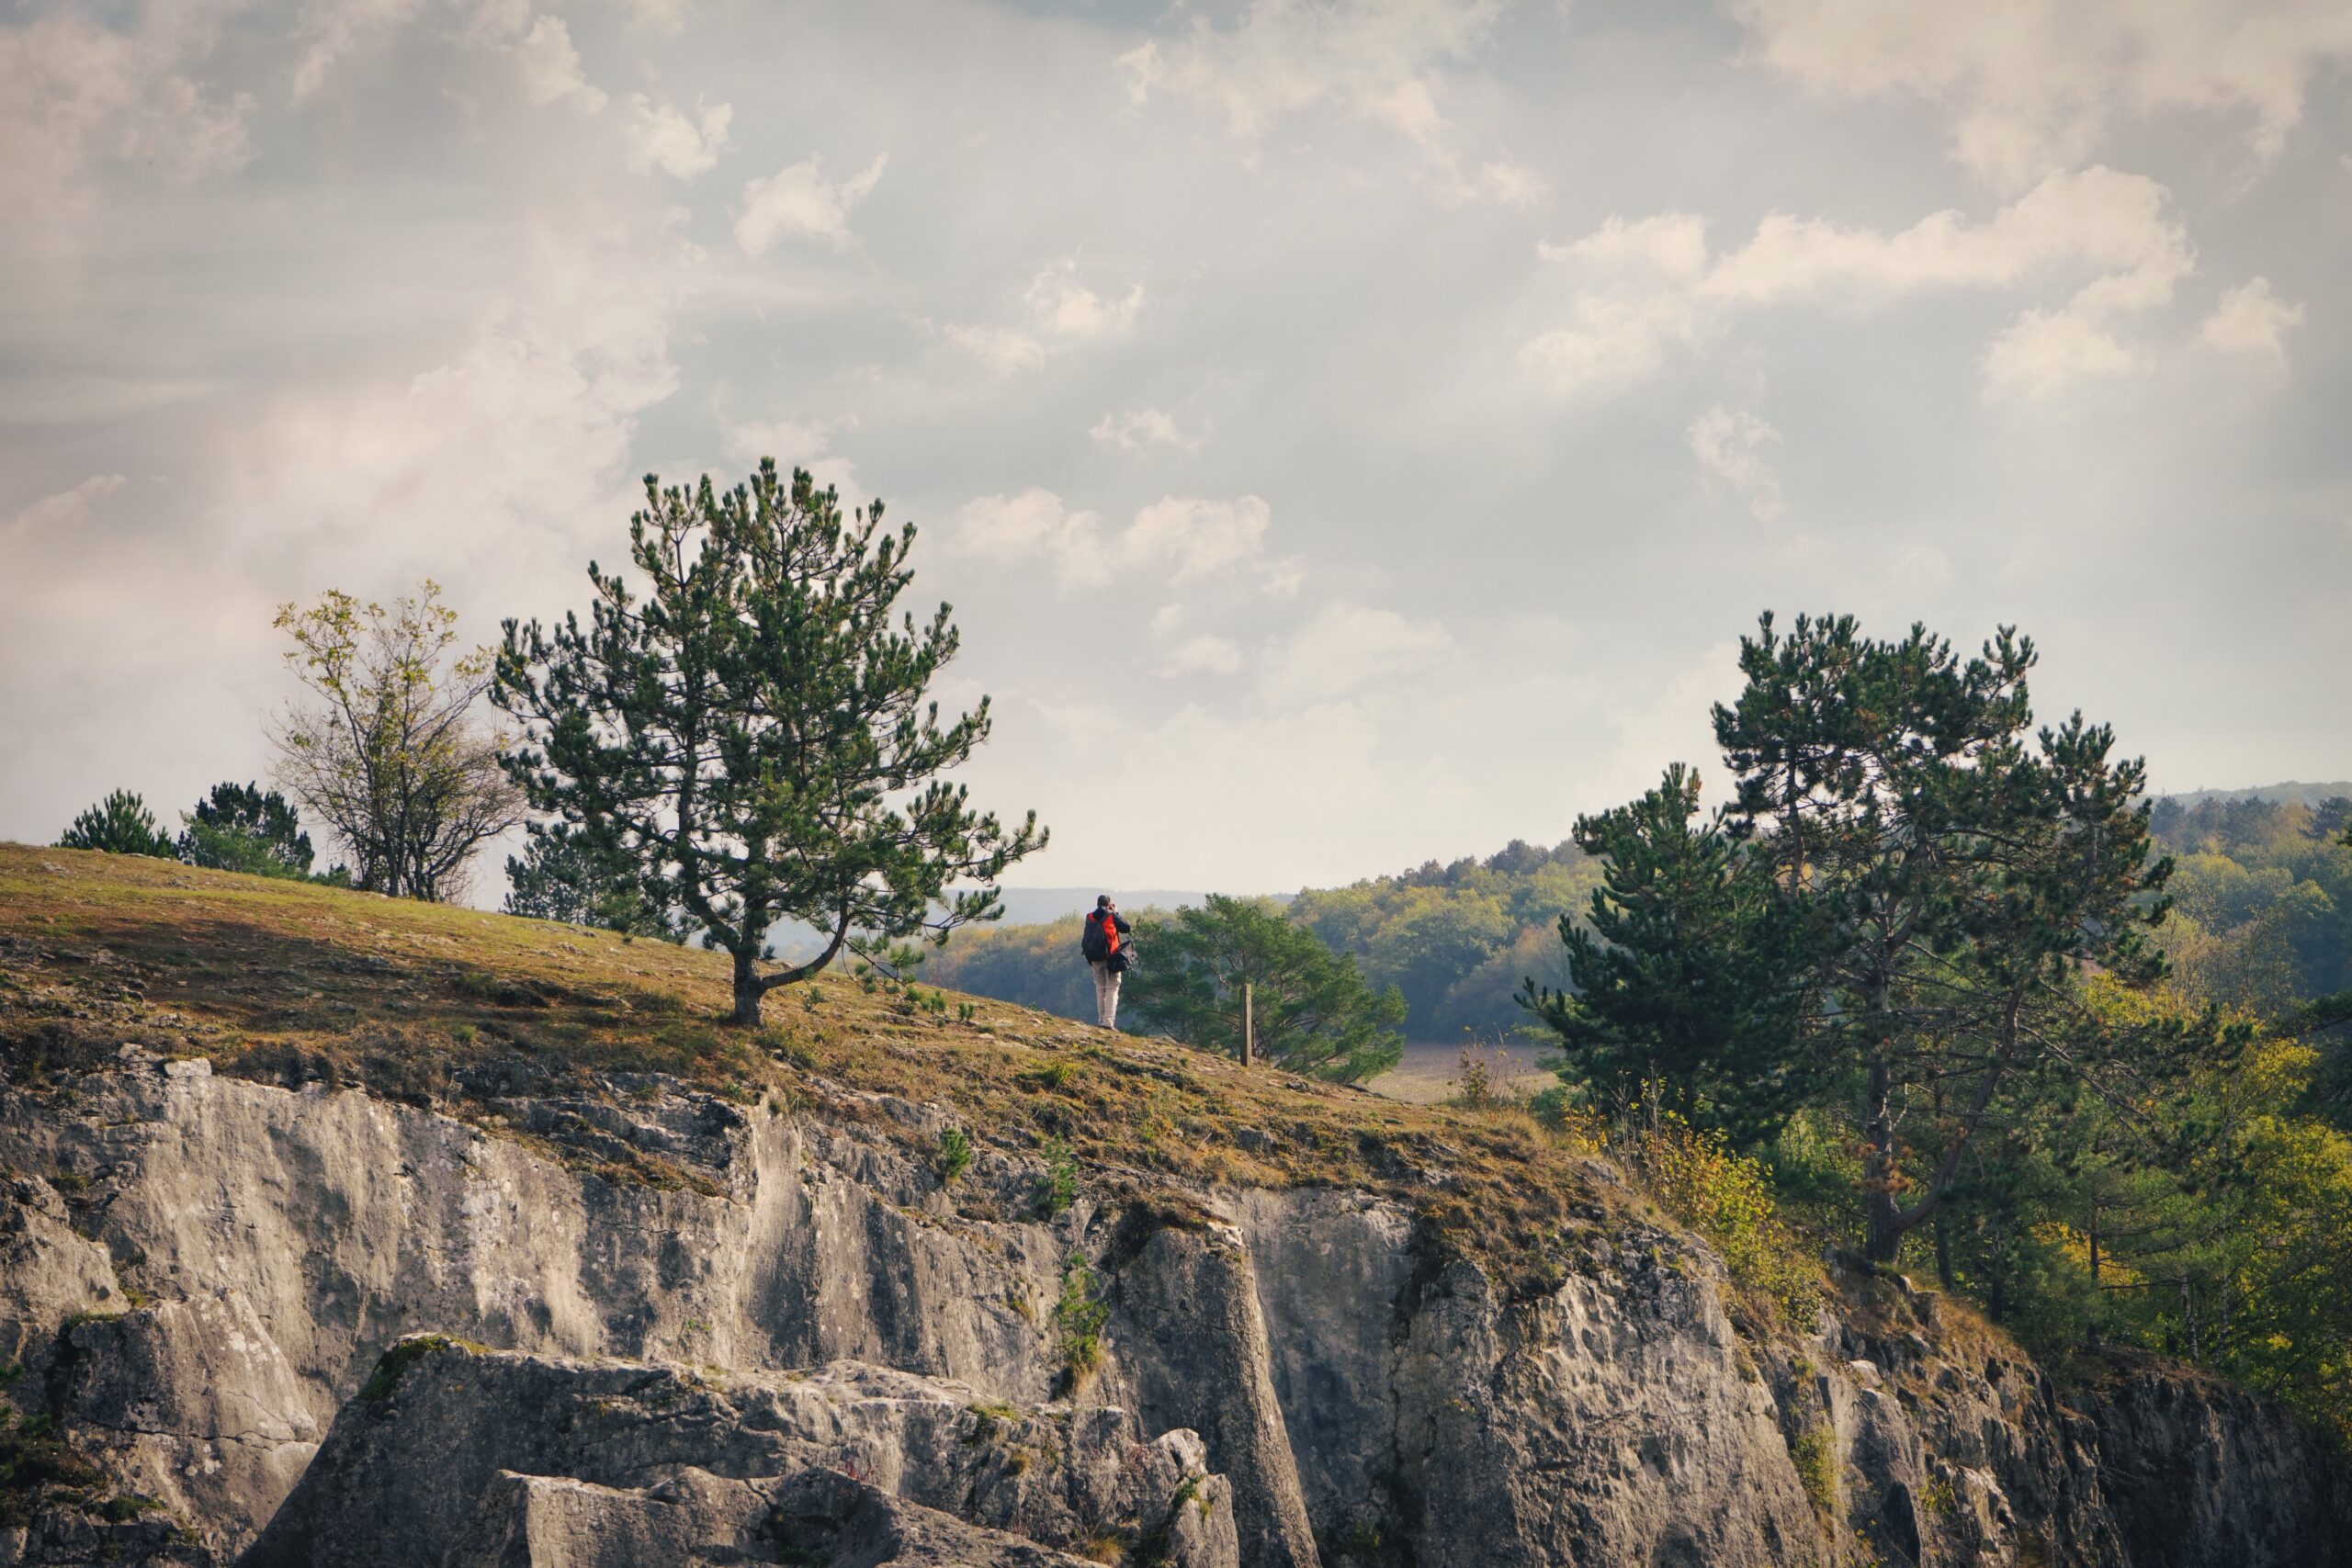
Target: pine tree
<point>558,877</point>
<point>1310,1010</point>
<point>1964,878</point>
<point>119,825</point>
<point>242,828</point>
<point>753,738</point>
<point>1687,976</point>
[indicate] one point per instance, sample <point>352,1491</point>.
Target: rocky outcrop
<point>802,1336</point>
<point>452,1443</point>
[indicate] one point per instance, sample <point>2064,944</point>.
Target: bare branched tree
<point>391,755</point>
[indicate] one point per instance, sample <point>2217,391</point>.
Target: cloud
<point>1730,447</point>
<point>661,136</point>
<point>799,201</point>
<point>1031,526</point>
<point>1063,309</point>
<point>2252,319</point>
<point>1371,60</point>
<point>1067,307</point>
<point>2042,350</point>
<point>550,68</point>
<point>1204,654</point>
<point>1140,428</point>
<point>1192,536</point>
<point>1182,537</point>
<point>2033,86</point>
<point>1002,349</point>
<point>1649,288</point>
<point>1346,647</point>
<point>85,98</point>
<point>793,443</point>
<point>66,509</point>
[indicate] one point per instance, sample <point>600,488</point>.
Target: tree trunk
<point>1884,1233</point>
<point>747,991</point>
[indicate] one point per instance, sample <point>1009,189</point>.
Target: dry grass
<point>464,1009</point>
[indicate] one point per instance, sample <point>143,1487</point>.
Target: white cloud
<point>1068,308</point>
<point>1730,446</point>
<point>1138,428</point>
<point>1373,60</point>
<point>799,200</point>
<point>2033,86</point>
<point>1002,349</point>
<point>1282,56</point>
<point>1650,289</point>
<point>83,98</point>
<point>1192,537</point>
<point>1346,647</point>
<point>66,509</point>
<point>1673,243</point>
<point>2042,350</point>
<point>1612,339</point>
<point>1206,654</point>
<point>1183,538</point>
<point>662,135</point>
<point>793,443</point>
<point>550,68</point>
<point>1035,525</point>
<point>2252,319</point>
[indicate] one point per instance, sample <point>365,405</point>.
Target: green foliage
<point>1697,1178</point>
<point>561,876</point>
<point>1687,975</point>
<point>752,736</point>
<point>1311,1010</point>
<point>242,828</point>
<point>388,752</point>
<point>955,1155</point>
<point>1079,1319</point>
<point>1955,877</point>
<point>120,825</point>
<point>2263,899</point>
<point>33,1458</point>
<point>1058,1184</point>
<point>1814,1451</point>
<point>1457,939</point>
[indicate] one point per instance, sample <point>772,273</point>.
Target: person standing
<point>1108,950</point>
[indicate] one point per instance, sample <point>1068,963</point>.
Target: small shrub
<point>1055,1075</point>
<point>1079,1319</point>
<point>954,1155</point>
<point>1057,1187</point>
<point>1727,1199</point>
<point>1815,1453</point>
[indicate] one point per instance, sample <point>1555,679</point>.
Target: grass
<point>467,1012</point>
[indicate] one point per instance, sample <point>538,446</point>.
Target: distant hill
<point>1042,905</point>
<point>2276,794</point>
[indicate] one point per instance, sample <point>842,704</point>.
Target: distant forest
<point>2262,919</point>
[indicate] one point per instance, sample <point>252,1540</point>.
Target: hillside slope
<point>688,1293</point>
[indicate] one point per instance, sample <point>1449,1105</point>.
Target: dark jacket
<point>1092,943</point>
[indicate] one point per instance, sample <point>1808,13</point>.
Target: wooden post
<point>1249,1035</point>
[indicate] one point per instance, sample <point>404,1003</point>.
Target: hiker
<point>1107,948</point>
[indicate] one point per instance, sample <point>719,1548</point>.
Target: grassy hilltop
<point>458,1008</point>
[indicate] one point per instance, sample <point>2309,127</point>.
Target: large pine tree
<point>754,736</point>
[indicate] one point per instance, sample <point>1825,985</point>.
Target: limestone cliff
<point>634,1318</point>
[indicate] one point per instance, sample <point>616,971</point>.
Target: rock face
<point>643,1462</point>
<point>811,1350</point>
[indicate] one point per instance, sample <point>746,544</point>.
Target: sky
<point>1349,432</point>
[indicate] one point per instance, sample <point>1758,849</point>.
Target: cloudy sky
<point>1349,431</point>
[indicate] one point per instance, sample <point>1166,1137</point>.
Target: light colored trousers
<point>1106,995</point>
